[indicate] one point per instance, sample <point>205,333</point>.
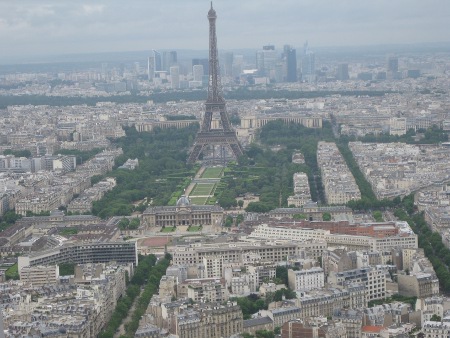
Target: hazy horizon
<point>50,28</point>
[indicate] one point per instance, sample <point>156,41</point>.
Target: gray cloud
<point>59,27</point>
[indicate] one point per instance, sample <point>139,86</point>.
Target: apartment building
<point>323,302</point>
<point>39,275</point>
<point>420,285</point>
<point>433,329</point>
<point>306,279</point>
<point>374,280</point>
<point>339,183</point>
<point>298,328</point>
<point>302,194</point>
<point>204,290</point>
<point>282,314</point>
<point>209,320</point>
<point>269,232</point>
<point>245,251</point>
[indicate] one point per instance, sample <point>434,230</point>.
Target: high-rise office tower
<point>290,57</point>
<point>229,64</point>
<point>197,71</point>
<point>204,63</point>
<point>342,72</point>
<point>151,68</point>
<point>392,64</point>
<point>238,64</point>
<point>137,68</point>
<point>175,77</point>
<point>266,59</point>
<point>173,58</point>
<point>165,61</point>
<point>158,62</point>
<point>169,59</point>
<point>308,64</point>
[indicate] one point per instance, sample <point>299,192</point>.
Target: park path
<point>192,185</point>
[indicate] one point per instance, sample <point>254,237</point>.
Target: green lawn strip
<point>202,189</point>
<point>168,229</point>
<point>198,200</point>
<point>194,228</point>
<point>12,272</point>
<point>212,172</point>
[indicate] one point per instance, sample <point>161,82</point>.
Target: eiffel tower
<point>224,138</point>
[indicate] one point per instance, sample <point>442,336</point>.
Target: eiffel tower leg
<point>237,150</point>
<point>195,153</point>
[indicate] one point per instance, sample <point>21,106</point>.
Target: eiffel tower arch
<point>223,140</point>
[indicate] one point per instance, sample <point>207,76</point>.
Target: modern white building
<point>175,77</point>
<point>265,231</point>
<point>306,279</point>
<point>197,72</point>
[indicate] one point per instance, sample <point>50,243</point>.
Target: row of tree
<point>429,241</point>
<point>148,275</point>
<point>166,96</point>
<point>127,224</point>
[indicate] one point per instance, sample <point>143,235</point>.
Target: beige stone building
<point>39,275</point>
<point>184,213</point>
<point>420,285</point>
<point>209,320</point>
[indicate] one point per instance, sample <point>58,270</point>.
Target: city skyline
<point>53,28</point>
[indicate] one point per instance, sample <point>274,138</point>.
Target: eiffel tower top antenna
<point>214,85</point>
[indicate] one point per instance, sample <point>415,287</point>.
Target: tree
<point>229,221</point>
<point>123,223</point>
<point>299,216</point>
<point>326,216</point>
<point>435,318</point>
<point>378,216</point>
<point>134,224</point>
<point>240,203</point>
<point>282,274</point>
<point>264,334</point>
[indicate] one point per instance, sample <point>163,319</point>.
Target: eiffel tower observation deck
<point>216,145</point>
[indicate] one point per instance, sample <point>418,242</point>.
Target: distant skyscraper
<point>238,64</point>
<point>173,58</point>
<point>229,64</point>
<point>158,63</point>
<point>169,59</point>
<point>308,64</point>
<point>342,72</point>
<point>392,64</point>
<point>175,77</point>
<point>151,68</point>
<point>165,61</point>
<point>137,68</point>
<point>104,71</point>
<point>197,71</point>
<point>204,63</point>
<point>266,60</point>
<point>290,56</point>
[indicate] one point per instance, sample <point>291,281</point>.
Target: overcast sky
<point>55,27</point>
